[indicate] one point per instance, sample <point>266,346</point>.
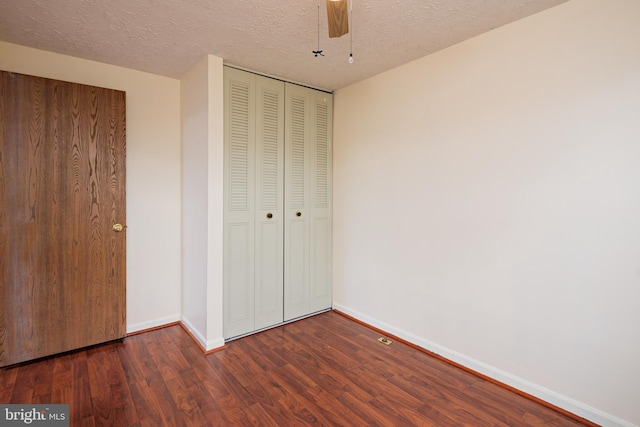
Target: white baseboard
<point>215,343</point>
<point>582,410</point>
<point>152,324</point>
<point>206,344</point>
<point>194,331</point>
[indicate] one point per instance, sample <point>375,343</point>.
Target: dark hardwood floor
<point>324,370</point>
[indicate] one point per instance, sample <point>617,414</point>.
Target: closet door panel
<point>296,270</point>
<point>239,235</point>
<point>321,196</point>
<point>320,265</point>
<point>296,251</point>
<point>269,240</point>
<point>239,296</point>
<point>268,278</point>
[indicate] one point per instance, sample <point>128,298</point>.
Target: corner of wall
<point>556,399</point>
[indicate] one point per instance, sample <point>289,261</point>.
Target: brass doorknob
<point>117,228</point>
<point>269,215</point>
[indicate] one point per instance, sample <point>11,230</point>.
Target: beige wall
<point>153,174</point>
<point>487,205</point>
<point>202,192</point>
<point>195,134</point>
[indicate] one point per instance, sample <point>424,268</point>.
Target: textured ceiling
<point>168,37</point>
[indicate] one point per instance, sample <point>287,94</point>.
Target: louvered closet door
<point>320,227</point>
<point>239,221</point>
<point>307,266</point>
<point>269,218</point>
<point>253,235</point>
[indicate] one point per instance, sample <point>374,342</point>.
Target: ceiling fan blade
<point>338,18</point>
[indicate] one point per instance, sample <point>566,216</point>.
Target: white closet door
<point>239,220</point>
<point>269,218</point>
<point>296,215</point>
<point>320,214</point>
<point>307,247</point>
<point>277,203</point>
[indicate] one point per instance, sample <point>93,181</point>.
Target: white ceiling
<point>274,37</point>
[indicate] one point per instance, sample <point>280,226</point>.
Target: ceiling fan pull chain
<point>350,31</point>
<point>318,52</point>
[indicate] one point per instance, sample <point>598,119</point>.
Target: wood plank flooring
<point>324,370</point>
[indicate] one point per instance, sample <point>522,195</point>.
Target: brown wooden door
<point>62,188</point>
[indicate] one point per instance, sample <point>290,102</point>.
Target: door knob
<point>117,228</point>
<point>269,215</point>
<point>298,213</point>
